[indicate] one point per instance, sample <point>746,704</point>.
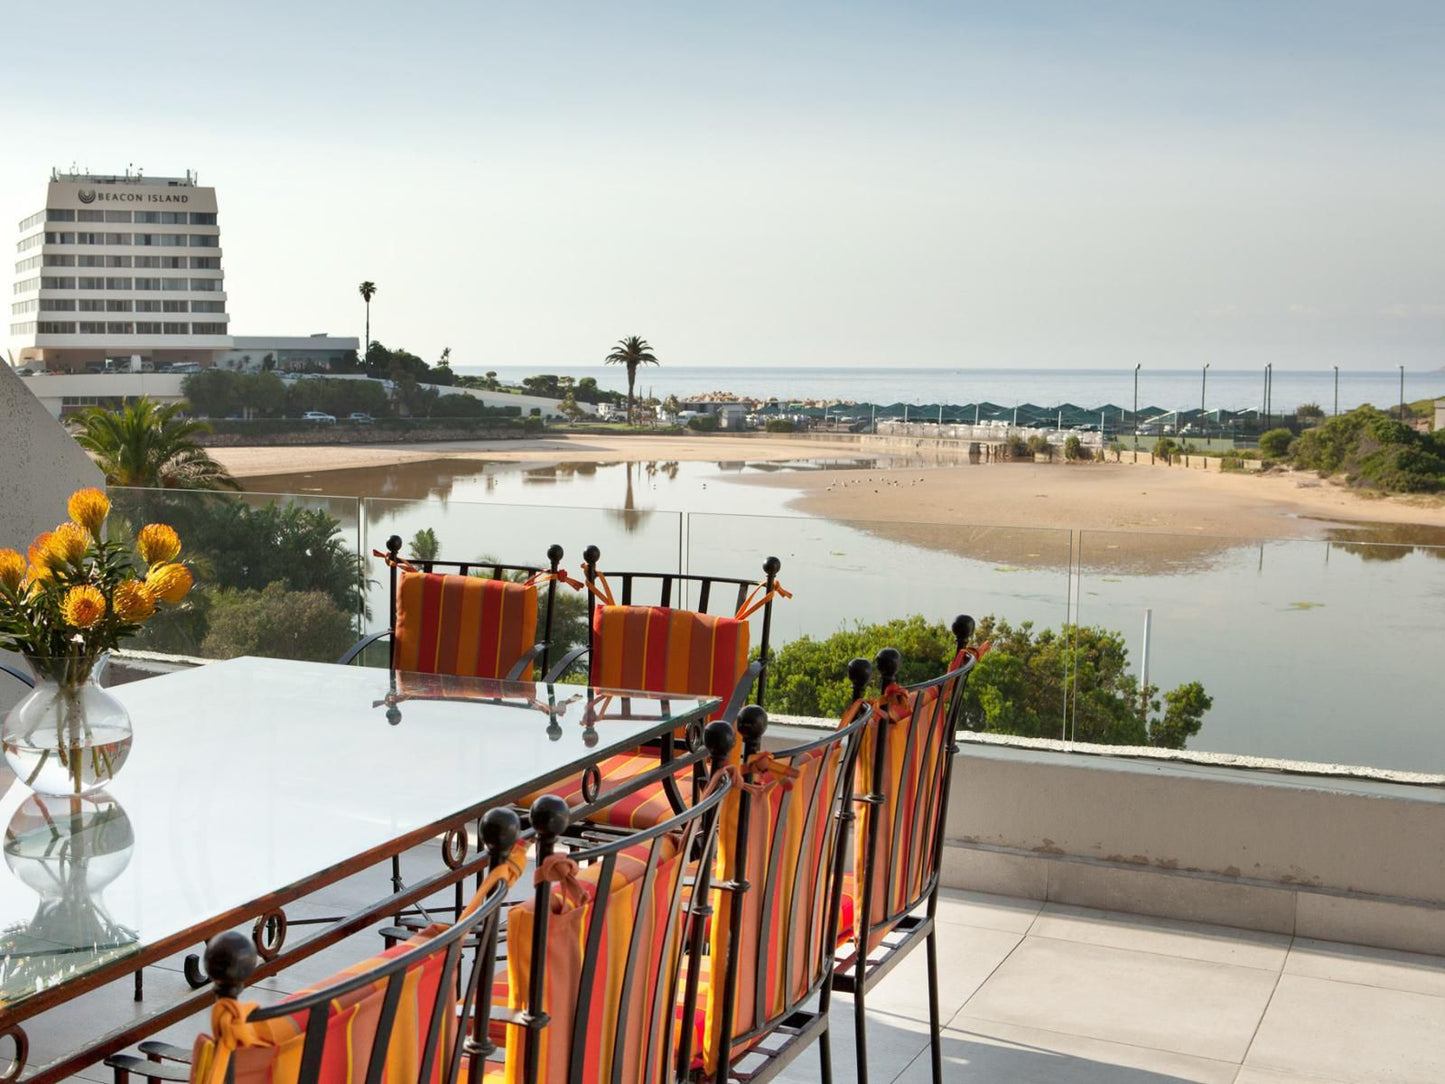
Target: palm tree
<point>146,445</point>
<point>632,352</point>
<point>367,290</point>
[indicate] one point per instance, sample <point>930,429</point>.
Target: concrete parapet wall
<point>1334,859</point>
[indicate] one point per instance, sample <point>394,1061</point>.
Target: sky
<point>952,184</point>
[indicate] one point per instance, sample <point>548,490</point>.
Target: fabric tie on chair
<point>562,871</point>
<point>538,578</point>
<point>393,561</point>
<point>752,604</point>
<point>229,1026</point>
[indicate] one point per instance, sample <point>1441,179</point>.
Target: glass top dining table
<point>256,781</point>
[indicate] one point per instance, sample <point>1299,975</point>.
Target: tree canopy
<point>148,445</point>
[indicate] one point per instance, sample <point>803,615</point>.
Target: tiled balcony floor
<point>1034,992</point>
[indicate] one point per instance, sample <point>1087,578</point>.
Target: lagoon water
<point>1313,650</point>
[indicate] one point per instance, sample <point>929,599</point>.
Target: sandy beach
<point>1163,516</point>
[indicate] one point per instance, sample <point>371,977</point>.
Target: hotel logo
<point>87,195</point>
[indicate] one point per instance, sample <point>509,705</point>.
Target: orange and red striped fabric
<point>351,1029</point>
<point>642,808</point>
<point>463,625</point>
<point>634,909</point>
<point>662,650</point>
<point>786,946</point>
<point>908,816</point>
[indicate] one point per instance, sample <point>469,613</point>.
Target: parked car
<point>319,416</point>
<point>360,417</point>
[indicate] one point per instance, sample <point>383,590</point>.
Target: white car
<point>319,416</point>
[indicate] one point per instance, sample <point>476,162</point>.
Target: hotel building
<point>124,270</point>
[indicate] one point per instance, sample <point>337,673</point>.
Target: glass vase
<point>68,735</point>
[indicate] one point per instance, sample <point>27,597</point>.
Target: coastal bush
<point>1165,448</point>
<point>704,423</point>
<point>1075,450</point>
<point>1275,443</point>
<point>1020,687</point>
<point>780,425</point>
<point>1038,445</point>
<point>277,623</point>
<point>1018,447</point>
<point>1372,449</point>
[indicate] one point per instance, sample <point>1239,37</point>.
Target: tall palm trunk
<point>366,344</point>
<point>631,380</point>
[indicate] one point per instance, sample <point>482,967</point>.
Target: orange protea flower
<point>157,544</point>
<point>39,558</point>
<point>88,507</point>
<point>12,569</point>
<point>83,606</point>
<point>133,601</point>
<point>66,545</point>
<point>169,583</point>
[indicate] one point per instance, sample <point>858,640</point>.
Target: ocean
<point>1169,389</point>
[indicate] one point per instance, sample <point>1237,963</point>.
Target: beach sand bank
<point>1007,513</point>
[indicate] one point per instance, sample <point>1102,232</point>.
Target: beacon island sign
<point>90,195</point>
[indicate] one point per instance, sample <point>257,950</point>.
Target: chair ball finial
<point>963,628</point>
<point>555,553</point>
<point>772,566</point>
<point>752,724</point>
<point>499,830</point>
<point>550,815</point>
<point>719,738</point>
<point>230,959</point>
<point>591,555</point>
<point>859,671</point>
<point>888,662</point>
<point>394,544</point>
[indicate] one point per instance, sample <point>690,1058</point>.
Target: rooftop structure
<point>120,269</point>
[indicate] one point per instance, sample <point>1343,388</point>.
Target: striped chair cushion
<point>662,650</point>
<point>463,625</point>
<point>642,808</point>
<point>785,947</point>
<point>351,1029</point>
<point>908,814</point>
<point>634,909</point>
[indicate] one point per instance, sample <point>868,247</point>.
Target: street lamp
<point>1203,383</point>
<point>1136,406</point>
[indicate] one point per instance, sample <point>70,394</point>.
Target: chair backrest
<point>905,770</point>
<point>676,632</point>
<point>390,1019</point>
<point>781,858</point>
<point>468,618</point>
<point>596,980</point>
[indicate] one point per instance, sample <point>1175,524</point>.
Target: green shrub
<point>780,425</point>
<point>1075,449</point>
<point>1165,448</point>
<point>1275,443</point>
<point>277,623</point>
<point>703,423</point>
<point>1038,445</point>
<point>1018,447</point>
<point>1020,687</point>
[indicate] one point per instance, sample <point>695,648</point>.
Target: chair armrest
<point>740,692</point>
<point>18,675</point>
<point>564,665</point>
<point>361,645</point>
<point>524,663</point>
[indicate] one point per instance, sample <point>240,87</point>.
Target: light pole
<point>1203,383</point>
<point>1136,406</point>
<point>1337,389</point>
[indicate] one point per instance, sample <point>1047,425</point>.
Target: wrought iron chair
<point>665,646</point>
<point>393,1014</point>
<point>444,618</point>
<point>782,855</point>
<point>904,775</point>
<point>595,959</point>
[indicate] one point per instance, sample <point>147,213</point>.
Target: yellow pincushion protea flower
<point>88,508</point>
<point>66,545</point>
<point>157,544</point>
<point>133,602</point>
<point>83,606</point>
<point>12,569</point>
<point>169,583</point>
<point>39,558</point>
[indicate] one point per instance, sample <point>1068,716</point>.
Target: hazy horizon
<point>916,185</point>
